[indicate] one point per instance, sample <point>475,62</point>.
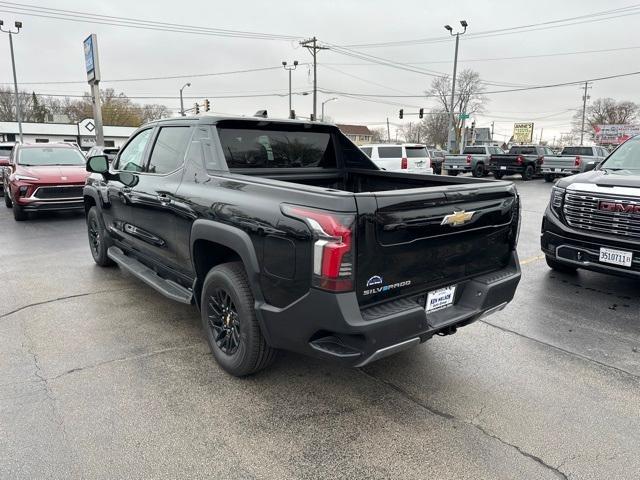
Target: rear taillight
<point>404,164</point>
<point>577,161</point>
<point>332,246</point>
<point>541,160</point>
<point>519,160</point>
<point>468,159</point>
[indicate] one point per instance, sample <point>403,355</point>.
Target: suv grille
<point>583,210</point>
<point>74,191</point>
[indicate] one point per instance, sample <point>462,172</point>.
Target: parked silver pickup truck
<point>572,160</point>
<point>473,159</point>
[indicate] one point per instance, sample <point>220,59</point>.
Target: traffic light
<point>421,113</point>
<point>197,109</point>
<point>401,113</point>
<point>206,105</point>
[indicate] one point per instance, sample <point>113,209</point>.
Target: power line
<point>145,24</point>
<point>563,22</point>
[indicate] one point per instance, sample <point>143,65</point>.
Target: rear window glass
<point>367,151</point>
<point>5,151</point>
<point>577,151</point>
<point>474,151</point>
<point>249,148</point>
<point>390,152</point>
<point>523,150</point>
<point>416,152</point>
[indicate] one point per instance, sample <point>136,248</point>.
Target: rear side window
<point>169,149</point>
<point>523,150</point>
<point>390,152</point>
<point>416,152</point>
<point>474,151</point>
<point>249,148</point>
<point>367,151</point>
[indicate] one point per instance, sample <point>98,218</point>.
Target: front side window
<point>42,156</point>
<point>132,156</point>
<point>5,151</point>
<point>257,148</point>
<point>169,149</point>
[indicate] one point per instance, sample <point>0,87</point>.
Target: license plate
<point>616,257</point>
<point>439,299</point>
<point>455,167</point>
<point>503,168</point>
<point>557,170</point>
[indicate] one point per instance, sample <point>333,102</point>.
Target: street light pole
<point>326,101</point>
<point>452,135</point>
<point>181,100</point>
<point>18,26</point>
<point>290,68</point>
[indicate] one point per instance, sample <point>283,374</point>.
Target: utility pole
<point>585,97</point>
<point>492,131</point>
<point>326,101</point>
<point>181,100</point>
<point>313,47</point>
<point>452,133</point>
<point>290,68</point>
<point>18,26</point>
<point>540,141</point>
<point>388,131</point>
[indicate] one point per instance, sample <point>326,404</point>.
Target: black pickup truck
<point>286,236</point>
<point>592,221</point>
<point>523,159</point>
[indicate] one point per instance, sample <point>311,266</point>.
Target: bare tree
<point>412,132</point>
<point>436,126</point>
<point>605,111</point>
<point>468,96</point>
<point>379,134</point>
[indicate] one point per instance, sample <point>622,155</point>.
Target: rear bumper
<point>329,325</point>
<point>509,170</point>
<point>458,168</point>
<point>564,172</point>
<point>582,250</point>
<point>420,171</point>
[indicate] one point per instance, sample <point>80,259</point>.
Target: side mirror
<point>98,164</point>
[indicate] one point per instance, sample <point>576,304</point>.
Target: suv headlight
<point>557,198</point>
<point>25,178</point>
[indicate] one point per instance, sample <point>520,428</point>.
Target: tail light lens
<point>468,159</point>
<point>519,160</point>
<point>332,246</point>
<point>404,164</point>
<point>578,161</point>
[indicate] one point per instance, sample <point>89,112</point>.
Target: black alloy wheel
<point>223,321</point>
<point>99,239</point>
<point>528,173</point>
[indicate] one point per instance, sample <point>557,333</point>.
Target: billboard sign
<point>91,64</point>
<point>522,132</point>
<point>614,134</point>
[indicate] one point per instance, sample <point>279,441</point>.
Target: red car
<point>5,153</point>
<point>44,178</point>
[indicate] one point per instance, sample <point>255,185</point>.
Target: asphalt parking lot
<point>101,377</point>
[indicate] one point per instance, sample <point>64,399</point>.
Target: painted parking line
<point>531,259</point>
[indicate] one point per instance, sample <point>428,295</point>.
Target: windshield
<point>625,159</point>
<point>367,151</point>
<point>50,156</point>
<point>523,150</point>
<point>5,151</point>
<point>584,151</point>
<point>416,152</point>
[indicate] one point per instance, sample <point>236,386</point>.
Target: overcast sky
<point>51,50</point>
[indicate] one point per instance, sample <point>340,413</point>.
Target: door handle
<point>125,189</point>
<point>164,199</point>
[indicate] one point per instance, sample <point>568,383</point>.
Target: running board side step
<point>166,287</point>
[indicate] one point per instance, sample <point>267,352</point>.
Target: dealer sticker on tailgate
<point>439,299</point>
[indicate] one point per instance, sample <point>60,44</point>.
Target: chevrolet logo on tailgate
<point>457,218</point>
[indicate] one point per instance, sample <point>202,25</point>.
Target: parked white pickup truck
<point>572,160</point>
<point>473,159</point>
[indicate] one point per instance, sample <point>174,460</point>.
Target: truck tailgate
<point>559,162</point>
<point>456,160</point>
<point>409,242</point>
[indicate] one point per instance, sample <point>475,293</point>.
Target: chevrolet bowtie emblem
<point>457,218</point>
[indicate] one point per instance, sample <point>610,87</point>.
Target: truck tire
<point>452,173</point>
<point>19,215</point>
<point>7,199</point>
<point>559,266</point>
<point>478,171</point>
<point>498,176</point>
<point>99,239</point>
<point>549,178</point>
<point>528,173</point>
<point>230,323</point>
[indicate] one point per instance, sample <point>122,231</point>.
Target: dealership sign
<point>522,132</point>
<point>92,66</point>
<point>614,134</point>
